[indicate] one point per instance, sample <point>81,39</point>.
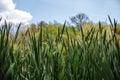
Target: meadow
<point>52,52</point>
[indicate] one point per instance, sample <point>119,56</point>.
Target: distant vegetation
<point>79,18</point>
<point>60,52</point>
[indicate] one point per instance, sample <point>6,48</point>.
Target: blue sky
<point>61,10</point>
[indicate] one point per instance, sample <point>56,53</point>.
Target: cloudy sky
<point>10,13</point>
<point>33,11</point>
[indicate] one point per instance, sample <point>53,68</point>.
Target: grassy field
<point>64,54</point>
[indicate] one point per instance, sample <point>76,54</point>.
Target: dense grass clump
<point>91,56</point>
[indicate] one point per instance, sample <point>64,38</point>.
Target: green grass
<point>91,55</point>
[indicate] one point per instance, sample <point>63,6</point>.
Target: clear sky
<point>61,10</point>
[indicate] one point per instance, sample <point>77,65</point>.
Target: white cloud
<point>9,13</point>
<point>16,16</point>
<point>6,5</point>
